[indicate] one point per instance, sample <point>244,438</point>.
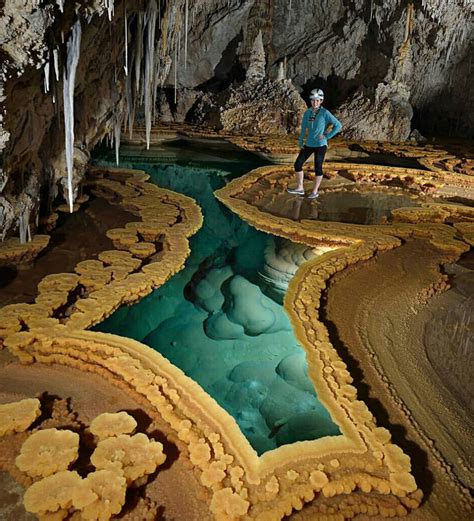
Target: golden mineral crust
<point>99,286</point>
<point>332,380</point>
<point>17,254</point>
<point>18,416</point>
<point>48,451</point>
<point>107,424</point>
<point>240,484</point>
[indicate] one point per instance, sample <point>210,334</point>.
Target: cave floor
<point>376,308</point>
<point>391,309</point>
<point>79,236</point>
<point>175,487</point>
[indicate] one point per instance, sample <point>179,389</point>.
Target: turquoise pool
<point>221,319</point>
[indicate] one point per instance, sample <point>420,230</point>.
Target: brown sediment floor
<point>448,335</point>
<point>377,313</point>
<point>11,500</point>
<point>90,395</point>
<point>80,236</point>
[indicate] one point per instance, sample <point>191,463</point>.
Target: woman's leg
<point>305,152</point>
<point>319,154</point>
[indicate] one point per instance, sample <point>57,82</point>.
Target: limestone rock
<point>262,107</point>
<point>7,216</point>
<point>256,69</point>
<point>58,165</point>
<point>385,116</point>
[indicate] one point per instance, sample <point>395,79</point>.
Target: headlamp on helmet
<point>317,94</point>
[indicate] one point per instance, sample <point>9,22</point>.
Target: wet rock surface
<point>78,237</point>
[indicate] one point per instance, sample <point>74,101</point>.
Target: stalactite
<point>110,8</point>
<point>61,5</point>
<point>144,69</point>
<point>46,76</point>
<point>117,129</point>
<point>130,104</point>
<point>175,72</point>
<point>139,51</point>
<point>56,63</point>
<point>149,83</point>
<point>186,7</point>
<point>69,77</point>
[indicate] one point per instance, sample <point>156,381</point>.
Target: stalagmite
<point>69,76</point>
<point>23,225</point>
<point>256,68</point>
<point>281,72</point>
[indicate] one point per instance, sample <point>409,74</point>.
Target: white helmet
<point>317,94</point>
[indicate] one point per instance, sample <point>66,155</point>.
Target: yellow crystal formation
<point>118,276</point>
<point>119,460</point>
<point>97,497</point>
<point>265,487</point>
<point>108,424</point>
<point>15,253</point>
<point>18,416</point>
<point>48,451</point>
<point>133,456</point>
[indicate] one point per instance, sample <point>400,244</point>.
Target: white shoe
<point>294,191</point>
<point>313,195</point>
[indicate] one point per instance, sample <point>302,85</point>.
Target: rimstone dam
<point>236,265</point>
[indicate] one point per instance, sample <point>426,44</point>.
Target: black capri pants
<point>305,153</point>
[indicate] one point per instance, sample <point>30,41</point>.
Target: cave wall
<point>422,49</point>
<point>377,61</point>
<point>33,168</point>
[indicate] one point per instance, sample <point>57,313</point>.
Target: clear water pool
<point>221,319</point>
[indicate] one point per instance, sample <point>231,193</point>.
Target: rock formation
<point>256,106</point>
<point>387,116</point>
<point>376,62</point>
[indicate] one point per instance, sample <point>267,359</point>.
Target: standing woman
<point>316,121</point>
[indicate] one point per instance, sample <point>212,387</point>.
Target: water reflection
<point>347,206</point>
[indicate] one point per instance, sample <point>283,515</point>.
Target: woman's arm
<point>304,124</point>
<point>336,125</point>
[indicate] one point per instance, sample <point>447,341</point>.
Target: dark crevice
<point>229,69</point>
